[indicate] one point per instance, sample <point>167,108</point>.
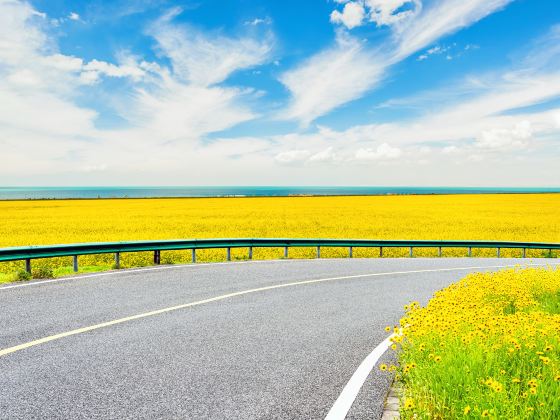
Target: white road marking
<point>23,346</point>
<point>345,400</point>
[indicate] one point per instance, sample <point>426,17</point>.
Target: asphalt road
<point>284,352</point>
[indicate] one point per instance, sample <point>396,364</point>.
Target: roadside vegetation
<point>516,217</point>
<point>487,346</point>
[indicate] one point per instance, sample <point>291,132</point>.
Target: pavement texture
<point>284,353</point>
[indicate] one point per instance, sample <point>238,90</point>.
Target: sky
<point>280,92</point>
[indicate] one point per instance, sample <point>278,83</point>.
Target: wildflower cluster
<point>487,346</point>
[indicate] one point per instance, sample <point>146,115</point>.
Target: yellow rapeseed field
<point>531,217</point>
<point>487,346</point>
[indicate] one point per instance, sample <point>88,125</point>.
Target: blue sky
<point>249,92</point>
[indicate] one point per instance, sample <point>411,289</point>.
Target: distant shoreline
<point>447,192</point>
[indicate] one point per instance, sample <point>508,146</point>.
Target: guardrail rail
<point>28,253</point>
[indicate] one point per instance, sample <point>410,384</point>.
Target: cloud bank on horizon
<point>331,92</point>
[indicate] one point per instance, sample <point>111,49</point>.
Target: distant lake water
<point>18,193</point>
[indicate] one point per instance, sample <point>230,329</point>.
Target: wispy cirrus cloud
<point>351,68</point>
<point>441,17</point>
<point>206,59</point>
<point>331,78</point>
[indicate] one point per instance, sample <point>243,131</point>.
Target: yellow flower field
<point>531,217</point>
<point>487,346</point>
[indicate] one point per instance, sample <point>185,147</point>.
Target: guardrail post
<point>75,258</point>
<point>498,252</point>
<point>470,251</point>
<point>439,251</point>
<point>524,252</point>
<point>156,257</point>
<point>350,251</point>
<point>318,252</point>
<point>250,252</point>
<point>550,253</point>
<point>228,253</point>
<point>28,265</point>
<point>193,255</point>
<point>117,260</point>
<point>411,253</point>
<point>380,252</point>
<point>285,252</point>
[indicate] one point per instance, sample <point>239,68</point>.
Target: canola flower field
<point>522,217</point>
<point>487,346</point>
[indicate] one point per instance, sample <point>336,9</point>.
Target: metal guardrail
<point>74,250</point>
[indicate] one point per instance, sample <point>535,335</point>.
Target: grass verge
<point>487,346</point>
<point>51,273</point>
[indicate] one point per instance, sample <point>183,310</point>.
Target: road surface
<point>245,340</point>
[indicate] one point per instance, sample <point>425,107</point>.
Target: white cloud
<point>381,12</point>
<point>437,50</point>
<point>206,60</point>
<point>516,138</point>
<point>439,19</point>
<point>557,119</point>
<point>390,12</point>
<point>95,168</point>
<point>74,16</point>
<point>259,21</point>
<point>292,156</point>
<point>18,39</point>
<point>94,69</point>
<point>383,152</point>
<point>176,111</point>
<point>352,15</point>
<point>330,79</point>
<point>328,155</point>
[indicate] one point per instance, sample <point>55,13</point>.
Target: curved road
<point>263,339</point>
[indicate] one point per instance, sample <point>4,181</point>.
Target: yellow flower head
<point>409,404</point>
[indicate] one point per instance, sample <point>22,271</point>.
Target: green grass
<point>57,272</point>
<point>550,302</point>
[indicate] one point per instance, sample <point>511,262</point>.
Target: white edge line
<point>346,398</point>
<point>344,402</point>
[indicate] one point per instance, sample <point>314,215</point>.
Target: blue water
<point>17,193</point>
